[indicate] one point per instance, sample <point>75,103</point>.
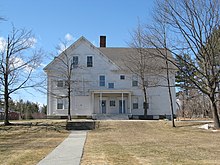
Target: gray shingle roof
<point>123,56</point>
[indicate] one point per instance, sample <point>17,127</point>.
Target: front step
<point>80,125</point>
<point>110,116</point>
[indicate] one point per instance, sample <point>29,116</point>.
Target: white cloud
<point>61,48</point>
<point>2,44</point>
<point>32,41</point>
<point>17,62</point>
<point>29,42</point>
<point>69,37</point>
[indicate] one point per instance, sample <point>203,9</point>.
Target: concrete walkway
<point>69,152</point>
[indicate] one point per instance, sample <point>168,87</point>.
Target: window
<point>111,85</point>
<point>112,103</point>
<point>146,104</point>
<point>89,61</point>
<point>60,83</point>
<point>102,81</point>
<point>62,103</point>
<point>135,105</point>
<point>66,84</point>
<point>134,81</point>
<point>75,61</point>
<point>122,77</point>
<point>146,83</point>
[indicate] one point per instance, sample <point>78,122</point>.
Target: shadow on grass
<point>35,126</point>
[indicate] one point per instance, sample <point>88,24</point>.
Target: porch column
<point>100,102</point>
<point>129,98</point>
<point>92,103</point>
<point>122,105</point>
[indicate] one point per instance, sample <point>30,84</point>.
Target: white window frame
<point>101,85</point>
<point>111,87</point>
<point>58,83</point>
<point>122,75</point>
<point>136,104</point>
<point>92,63</point>
<point>75,63</point>
<point>112,103</point>
<point>63,102</point>
<point>134,81</point>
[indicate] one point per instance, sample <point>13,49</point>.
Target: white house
<point>102,84</point>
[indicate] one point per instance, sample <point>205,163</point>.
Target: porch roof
<point>111,91</point>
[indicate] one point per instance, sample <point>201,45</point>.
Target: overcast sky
<point>55,20</point>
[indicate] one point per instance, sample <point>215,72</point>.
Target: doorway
<point>120,106</point>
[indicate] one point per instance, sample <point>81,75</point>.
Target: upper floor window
<point>75,61</point>
<point>122,77</point>
<point>89,61</point>
<point>60,83</point>
<point>111,85</point>
<point>134,81</point>
<point>102,81</point>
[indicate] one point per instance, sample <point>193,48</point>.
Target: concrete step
<point>80,125</point>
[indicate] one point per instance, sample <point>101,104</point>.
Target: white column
<point>122,104</point>
<point>129,98</point>
<point>100,102</point>
<point>93,103</point>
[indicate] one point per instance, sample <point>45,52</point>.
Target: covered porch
<point>111,102</point>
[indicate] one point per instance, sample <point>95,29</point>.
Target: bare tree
<point>143,64</point>
<point>191,25</point>
<point>63,72</point>
<point>156,36</point>
<point>18,62</point>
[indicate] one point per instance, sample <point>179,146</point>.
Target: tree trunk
<point>170,94</point>
<point>145,102</point>
<point>69,103</point>
<point>6,106</point>
<point>6,94</point>
<point>215,113</point>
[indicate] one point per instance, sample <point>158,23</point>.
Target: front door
<point>103,106</point>
<point>120,106</point>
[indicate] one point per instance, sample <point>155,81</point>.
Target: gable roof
<point>117,56</point>
<point>74,45</point>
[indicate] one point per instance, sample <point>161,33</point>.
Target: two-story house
<point>101,83</point>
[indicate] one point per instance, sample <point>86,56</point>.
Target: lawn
<point>155,142</point>
<point>27,143</point>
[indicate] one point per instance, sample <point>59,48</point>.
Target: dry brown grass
<point>26,143</point>
<point>144,142</point>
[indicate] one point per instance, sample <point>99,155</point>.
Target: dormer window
<point>89,61</point>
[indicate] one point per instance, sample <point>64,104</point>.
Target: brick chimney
<point>102,41</point>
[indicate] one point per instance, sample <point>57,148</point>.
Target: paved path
<point>69,152</point>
